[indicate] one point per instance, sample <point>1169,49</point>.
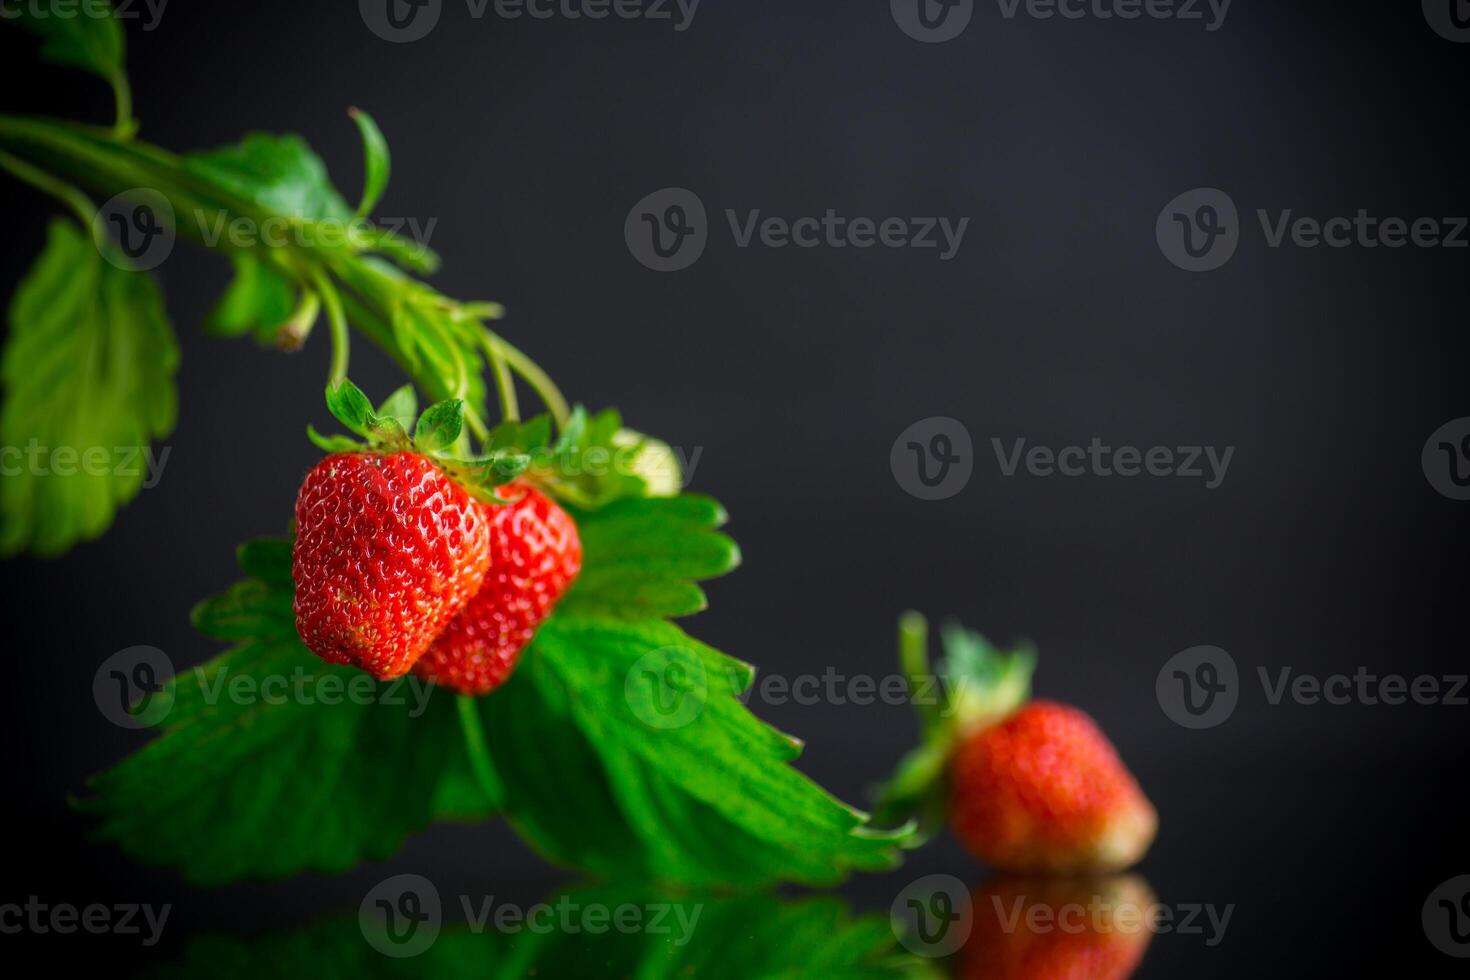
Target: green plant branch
<point>351,283</point>
<point>79,203</point>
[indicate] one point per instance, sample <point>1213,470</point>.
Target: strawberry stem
<point>479,752</point>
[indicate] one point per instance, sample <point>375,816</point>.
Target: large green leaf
<point>251,779</point>
<point>676,785</point>
<point>88,371</point>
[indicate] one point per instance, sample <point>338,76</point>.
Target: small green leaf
<point>439,427</point>
<point>376,162</point>
<point>503,466</point>
<point>89,43</point>
<point>88,371</point>
<point>280,174</point>
<point>333,444</point>
<point>402,405</point>
<point>350,406</point>
<point>257,300</point>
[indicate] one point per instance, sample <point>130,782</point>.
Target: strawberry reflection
<point>1049,929</point>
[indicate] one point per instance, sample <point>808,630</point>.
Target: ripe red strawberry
<point>1044,792</point>
<point>1033,790</point>
<point>1031,928</point>
<point>534,555</point>
<point>388,549</point>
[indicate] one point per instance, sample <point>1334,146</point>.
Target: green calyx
<point>973,687</point>
<point>439,433</point>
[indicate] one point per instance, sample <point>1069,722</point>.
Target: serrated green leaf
<point>258,301</point>
<point>272,762</point>
<point>376,162</point>
<point>705,797</point>
<point>643,557</point>
<point>439,427</point>
<point>88,371</point>
<point>86,42</point>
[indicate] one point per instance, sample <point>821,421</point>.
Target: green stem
<point>505,382</point>
<point>479,752</point>
<point>122,97</point>
<point>337,321</point>
<point>538,379</point>
<point>85,210</point>
<point>913,658</point>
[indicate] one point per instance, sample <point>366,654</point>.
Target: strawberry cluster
<point>400,566</point>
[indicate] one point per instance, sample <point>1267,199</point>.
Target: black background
<point>794,370</point>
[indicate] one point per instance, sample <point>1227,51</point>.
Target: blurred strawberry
<point>1055,929</point>
<point>1030,788</point>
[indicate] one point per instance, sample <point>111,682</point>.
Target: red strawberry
<point>1033,929</point>
<point>1035,789</point>
<point>534,555</point>
<point>1045,792</point>
<point>388,549</point>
